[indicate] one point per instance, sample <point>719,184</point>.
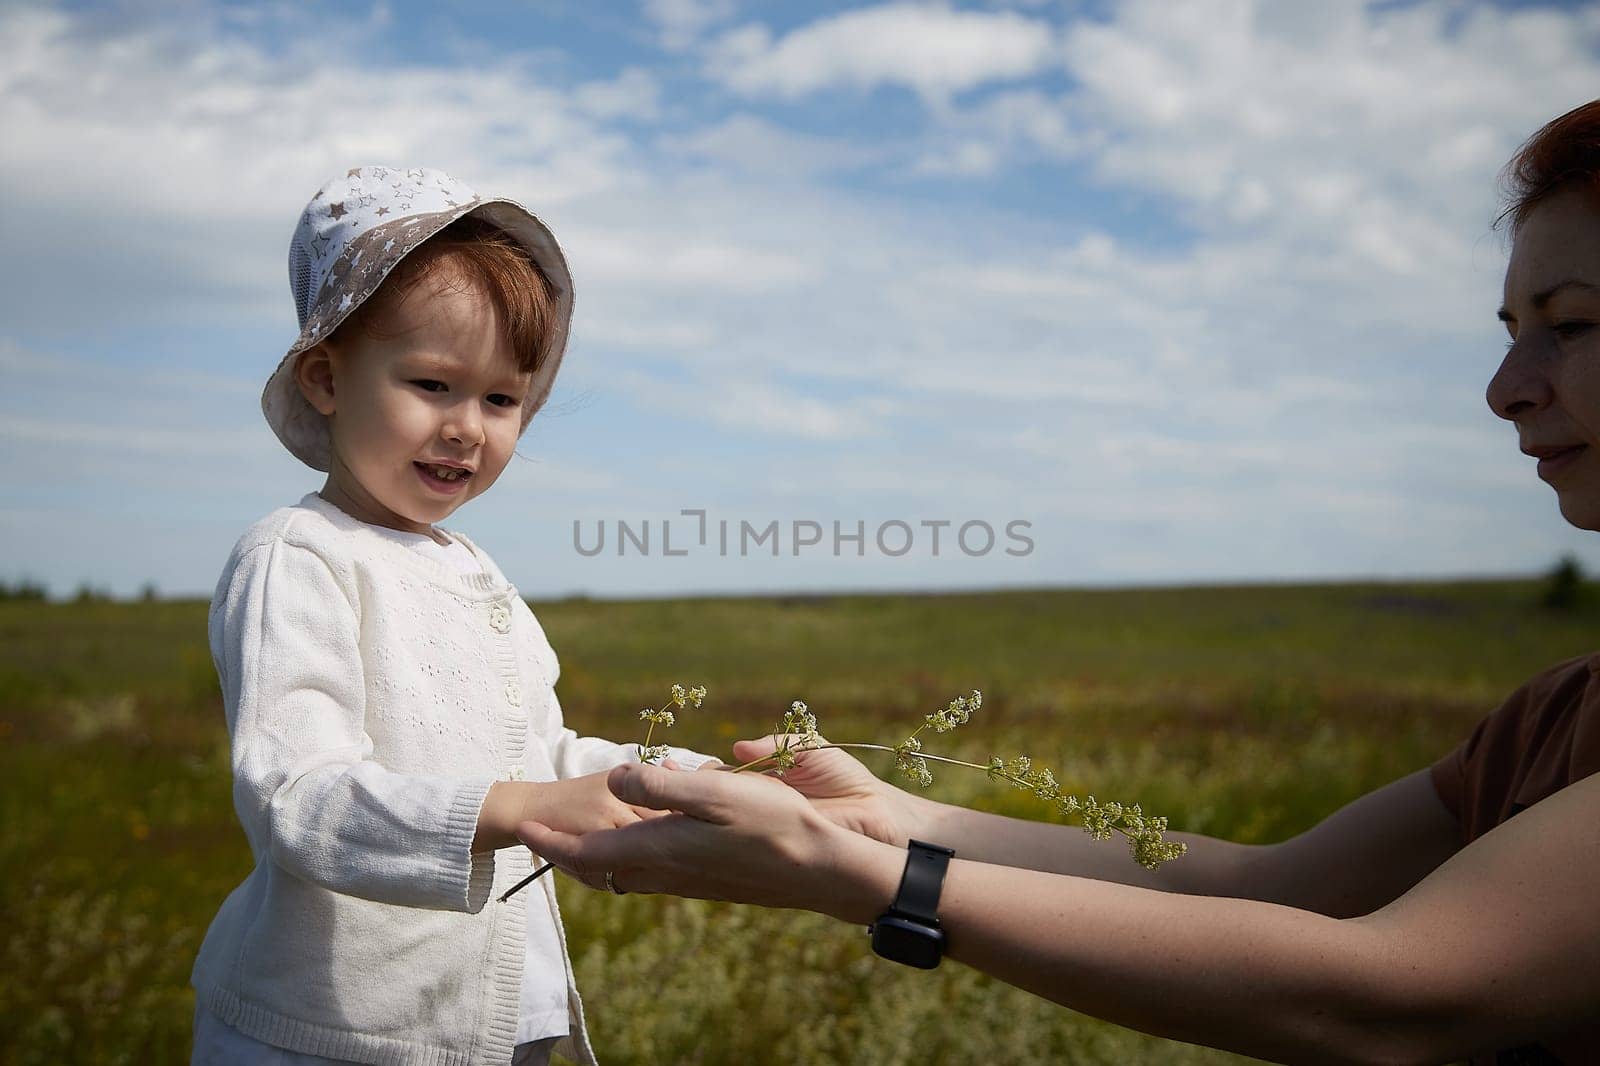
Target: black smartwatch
<point>909,930</point>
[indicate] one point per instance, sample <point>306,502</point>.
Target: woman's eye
<point>1568,330</point>
<point>429,385</point>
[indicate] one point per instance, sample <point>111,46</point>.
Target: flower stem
<point>753,763</point>
<point>1017,781</point>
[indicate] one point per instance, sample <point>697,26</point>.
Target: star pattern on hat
<point>337,210</point>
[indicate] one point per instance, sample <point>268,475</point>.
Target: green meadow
<point>1245,712</point>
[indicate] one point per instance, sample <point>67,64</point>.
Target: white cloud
<point>1290,336</point>
<point>766,407</point>
<point>932,49</point>
<point>634,94</point>
<point>201,151</point>
<point>681,22</point>
<point>765,150</point>
<point>669,258</point>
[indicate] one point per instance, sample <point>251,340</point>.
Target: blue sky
<point>1200,292</point>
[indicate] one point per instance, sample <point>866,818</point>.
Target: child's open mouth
<point>449,479</point>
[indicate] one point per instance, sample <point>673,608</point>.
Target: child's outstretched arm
<point>585,803</point>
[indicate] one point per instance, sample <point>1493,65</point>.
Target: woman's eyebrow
<point>1542,298</point>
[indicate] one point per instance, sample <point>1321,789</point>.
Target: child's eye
<point>500,399</point>
<point>428,385</point>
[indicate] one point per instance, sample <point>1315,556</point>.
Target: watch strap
<point>922,882</point>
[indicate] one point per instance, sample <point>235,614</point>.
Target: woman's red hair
<point>1565,153</point>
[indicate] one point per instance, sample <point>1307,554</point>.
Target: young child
<point>390,698</point>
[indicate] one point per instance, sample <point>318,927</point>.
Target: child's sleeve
<point>286,640</point>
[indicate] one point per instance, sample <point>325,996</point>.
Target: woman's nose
<point>1522,384</point>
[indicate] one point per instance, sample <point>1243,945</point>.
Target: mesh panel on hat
<point>300,271</point>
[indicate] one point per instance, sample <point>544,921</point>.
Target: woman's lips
<point>1555,462</point>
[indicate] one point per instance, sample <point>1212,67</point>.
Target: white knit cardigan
<point>372,697</point>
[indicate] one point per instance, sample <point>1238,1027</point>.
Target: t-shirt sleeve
<point>1475,781</point>
<point>1450,772</point>
<point>286,640</point>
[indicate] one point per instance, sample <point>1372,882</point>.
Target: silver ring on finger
<point>612,885</point>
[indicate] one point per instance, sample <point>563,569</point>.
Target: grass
<point>1249,713</point>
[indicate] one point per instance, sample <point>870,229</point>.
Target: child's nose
<point>464,424</point>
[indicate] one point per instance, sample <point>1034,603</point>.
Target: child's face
<point>437,393</point>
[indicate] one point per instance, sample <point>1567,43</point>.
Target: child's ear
<point>313,372</point>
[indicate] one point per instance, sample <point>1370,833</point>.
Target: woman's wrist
<point>913,814</point>
<point>860,878</point>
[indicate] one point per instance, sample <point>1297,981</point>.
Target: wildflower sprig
<point>665,717</point>
<point>798,732</point>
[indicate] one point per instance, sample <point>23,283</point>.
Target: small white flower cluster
<point>955,713</point>
<point>908,762</point>
<point>1099,820</point>
<point>958,712</point>
<point>691,697</point>
<point>800,721</point>
<point>797,731</point>
<point>664,717</point>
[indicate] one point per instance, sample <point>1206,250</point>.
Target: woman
<point>1421,923</point>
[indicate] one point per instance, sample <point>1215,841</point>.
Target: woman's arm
<point>1392,837</point>
<point>1494,947</point>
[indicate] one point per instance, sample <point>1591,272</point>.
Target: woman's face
<point>1549,382</point>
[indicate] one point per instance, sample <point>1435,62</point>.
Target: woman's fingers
<point>750,750</point>
<point>708,797</point>
<point>585,858</point>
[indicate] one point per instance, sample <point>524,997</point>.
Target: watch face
<point>906,941</point>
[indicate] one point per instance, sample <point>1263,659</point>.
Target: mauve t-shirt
<point>1545,736</point>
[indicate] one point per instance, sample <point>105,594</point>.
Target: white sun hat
<point>350,236</point>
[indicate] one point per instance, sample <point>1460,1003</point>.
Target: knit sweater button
<point>514,694</point>
<point>516,773</point>
<point>499,618</point>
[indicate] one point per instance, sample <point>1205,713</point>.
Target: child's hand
<point>579,805</point>
<point>576,805</point>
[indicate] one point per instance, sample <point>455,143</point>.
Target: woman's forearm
<point>1394,836</point>
<point>1247,976</point>
<point>1211,868</point>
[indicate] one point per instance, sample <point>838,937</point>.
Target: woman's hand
<point>741,837</point>
<point>845,792</point>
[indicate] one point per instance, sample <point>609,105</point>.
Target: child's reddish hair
<point>483,259</point>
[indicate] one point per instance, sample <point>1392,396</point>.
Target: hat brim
<point>359,272</point>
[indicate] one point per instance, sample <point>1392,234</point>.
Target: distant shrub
<point>1564,588</point>
<point>22,590</point>
<point>87,593</point>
